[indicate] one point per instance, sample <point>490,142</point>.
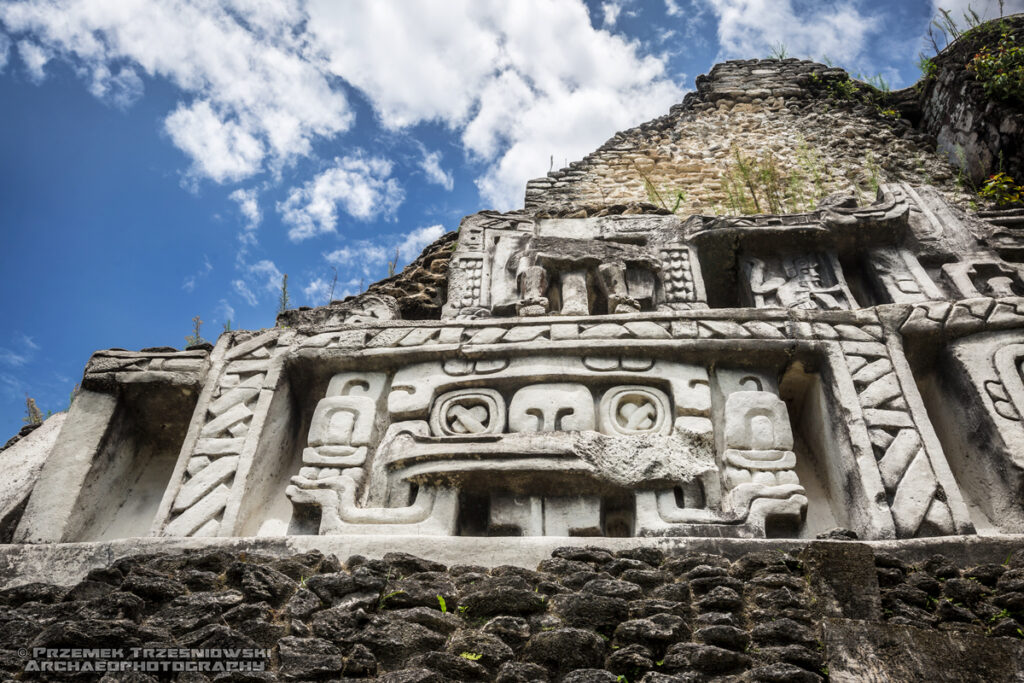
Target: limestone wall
<point>807,121</point>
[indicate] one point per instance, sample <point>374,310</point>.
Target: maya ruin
<point>738,396</point>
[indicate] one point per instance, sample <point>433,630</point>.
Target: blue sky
<point>161,159</point>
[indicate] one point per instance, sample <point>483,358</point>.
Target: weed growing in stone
<point>195,337</point>
<point>1003,190</point>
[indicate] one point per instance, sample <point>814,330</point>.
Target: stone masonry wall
<point>585,615</point>
<point>816,123</point>
<point>981,135</point>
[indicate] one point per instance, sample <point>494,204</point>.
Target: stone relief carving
<point>551,408</point>
<point>901,277</point>
<point>992,278</point>
<point>468,412</point>
<point>759,461</point>
<point>205,488</point>
<point>801,281</point>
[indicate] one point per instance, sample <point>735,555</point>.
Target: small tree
<point>33,416</point>
<point>284,302</point>
<point>227,325</point>
<point>195,337</point>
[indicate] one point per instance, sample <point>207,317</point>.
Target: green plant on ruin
<point>654,196</point>
<point>927,66</point>
<point>763,185</point>
<point>195,338</point>
<point>778,51</point>
<point>1000,69</point>
<point>471,656</point>
<point>845,89</point>
<point>1002,190</point>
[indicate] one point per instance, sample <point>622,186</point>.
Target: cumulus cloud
<point>366,256</point>
<point>244,68</point>
<point>672,8</point>
<point>522,81</point>
<point>413,242</point>
<point>610,13</point>
<point>35,58</point>
<point>360,184</point>
<point>754,27</point>
<point>318,292</point>
<point>519,82</point>
<point>248,206</point>
<point>430,164</point>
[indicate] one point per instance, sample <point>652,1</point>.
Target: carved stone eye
<point>635,410</point>
<point>468,412</point>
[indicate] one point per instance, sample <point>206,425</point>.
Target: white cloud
<point>368,257</point>
<point>122,89</point>
<point>247,69</point>
<point>360,184</point>
<point>244,291</point>
<point>226,310</point>
<point>248,206</point>
<point>753,27</point>
<point>261,82</point>
<point>317,292</point>
<point>672,8</point>
<point>507,75</point>
<point>221,150</point>
<point>430,164</point>
<point>27,341</point>
<point>12,358</point>
<point>35,58</point>
<point>413,242</point>
<point>610,13</point>
<point>258,280</point>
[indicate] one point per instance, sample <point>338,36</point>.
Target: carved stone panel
<point>989,278</point>
<point>552,407</point>
<point>901,277</point>
<point>806,281</point>
<point>630,410</point>
<point>468,412</point>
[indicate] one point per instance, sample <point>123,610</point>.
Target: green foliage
<point>227,325</point>
<point>843,90</point>
<point>284,301</point>
<point>778,51</point>
<point>889,113</point>
<point>927,66</point>
<point>1000,69</point>
<point>195,337</point>
<point>1001,189</point>
<point>385,597</point>
<point>443,604</point>
<point>877,82</point>
<point>471,656</point>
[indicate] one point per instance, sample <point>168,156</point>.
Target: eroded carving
<point>633,410</point>
<point>801,281</point>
